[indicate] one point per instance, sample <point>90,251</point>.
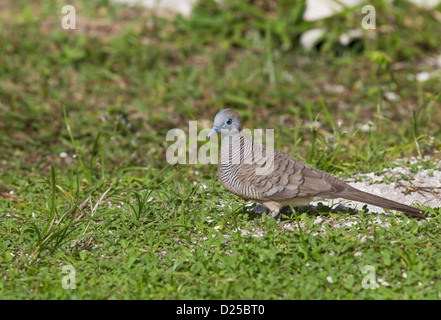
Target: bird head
<point>227,120</point>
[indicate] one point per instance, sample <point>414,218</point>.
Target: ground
<point>90,209</point>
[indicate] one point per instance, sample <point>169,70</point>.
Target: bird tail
<point>358,195</point>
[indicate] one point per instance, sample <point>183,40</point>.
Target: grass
<point>83,177</point>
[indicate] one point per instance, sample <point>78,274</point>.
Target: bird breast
<point>237,155</point>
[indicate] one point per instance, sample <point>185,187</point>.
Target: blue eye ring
<point>229,121</point>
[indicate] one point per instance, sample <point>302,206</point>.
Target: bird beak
<point>213,131</point>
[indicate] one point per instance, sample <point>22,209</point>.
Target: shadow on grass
<point>320,209</point>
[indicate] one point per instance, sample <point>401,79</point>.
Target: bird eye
<point>229,121</point>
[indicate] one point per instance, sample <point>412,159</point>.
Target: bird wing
<point>287,178</point>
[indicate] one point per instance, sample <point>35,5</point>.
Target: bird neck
<point>235,148</point>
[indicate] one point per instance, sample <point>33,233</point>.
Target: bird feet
<point>274,214</point>
<point>260,209</point>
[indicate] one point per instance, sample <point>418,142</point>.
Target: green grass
<point>84,181</point>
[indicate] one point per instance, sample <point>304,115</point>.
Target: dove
<point>276,179</point>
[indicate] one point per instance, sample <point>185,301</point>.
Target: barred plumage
<point>275,179</point>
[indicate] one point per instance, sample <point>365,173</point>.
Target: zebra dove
<point>275,179</point>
